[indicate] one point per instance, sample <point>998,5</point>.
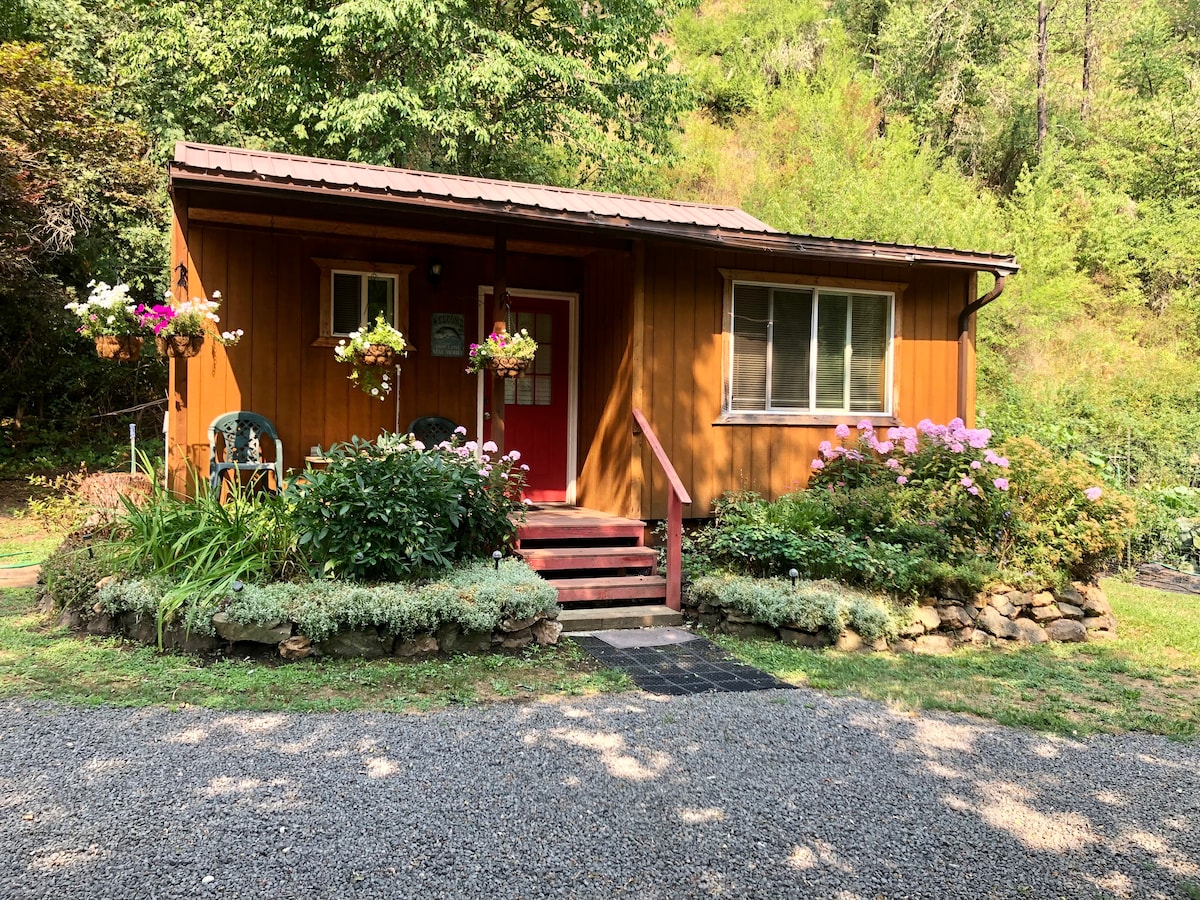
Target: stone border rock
<point>366,643</point>
<point>1001,615</point>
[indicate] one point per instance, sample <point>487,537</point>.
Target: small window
<point>359,299</point>
<point>353,293</point>
<point>809,350</point>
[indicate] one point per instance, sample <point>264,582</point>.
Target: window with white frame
<point>809,350</point>
<point>353,292</point>
<point>358,298</point>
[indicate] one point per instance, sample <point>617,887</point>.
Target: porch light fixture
<point>435,271</point>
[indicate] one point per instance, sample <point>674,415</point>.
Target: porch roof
<point>229,168</point>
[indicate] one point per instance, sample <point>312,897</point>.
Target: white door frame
<point>572,300</point>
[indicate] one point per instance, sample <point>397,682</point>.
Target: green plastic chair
<point>432,430</point>
<point>235,445</point>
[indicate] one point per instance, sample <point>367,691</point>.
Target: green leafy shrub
<point>925,510</point>
<point>69,575</point>
<point>394,510</point>
<point>809,606</point>
<point>1066,522</point>
<point>1167,526</point>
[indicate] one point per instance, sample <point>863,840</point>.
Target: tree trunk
<point>1043,49</point>
<point>1085,105</point>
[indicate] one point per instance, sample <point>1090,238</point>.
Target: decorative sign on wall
<point>448,334</point>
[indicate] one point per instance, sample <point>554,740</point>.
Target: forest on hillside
<point>1066,132</point>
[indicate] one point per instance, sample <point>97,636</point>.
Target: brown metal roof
<point>728,227</point>
<point>345,176</point>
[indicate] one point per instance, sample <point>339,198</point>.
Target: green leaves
<point>392,512</point>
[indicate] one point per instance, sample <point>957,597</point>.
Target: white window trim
<point>327,267</point>
<point>810,415</point>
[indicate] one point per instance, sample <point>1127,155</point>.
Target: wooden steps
<point>616,587</point>
<point>559,558</point>
<point>608,618</point>
<point>594,558</point>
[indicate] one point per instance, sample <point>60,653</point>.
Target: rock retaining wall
<point>371,643</point>
<point>1000,615</point>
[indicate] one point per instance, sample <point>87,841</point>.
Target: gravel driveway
<point>777,794</point>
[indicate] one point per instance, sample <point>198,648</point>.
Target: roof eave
<point>698,235</point>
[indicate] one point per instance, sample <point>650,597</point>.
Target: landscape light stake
<point>497,556</point>
<point>793,574</point>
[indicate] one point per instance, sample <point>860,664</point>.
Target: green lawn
<point>38,660</point>
<point>1148,679</point>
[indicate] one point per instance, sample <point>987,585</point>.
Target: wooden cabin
<point>742,347</point>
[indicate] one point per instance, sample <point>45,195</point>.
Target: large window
<point>354,292</point>
<point>809,350</point>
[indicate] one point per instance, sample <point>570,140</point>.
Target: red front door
<point>535,405</point>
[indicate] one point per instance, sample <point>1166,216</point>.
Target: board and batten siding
<point>270,287</point>
<point>605,383</point>
<point>682,385</point>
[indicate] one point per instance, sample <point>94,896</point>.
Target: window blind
<point>831,351</point>
<point>347,303</point>
<point>751,318</point>
<point>791,337</point>
<point>868,352</point>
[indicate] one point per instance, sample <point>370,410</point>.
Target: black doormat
<point>696,667</point>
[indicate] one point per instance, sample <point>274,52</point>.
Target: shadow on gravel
<point>772,795</point>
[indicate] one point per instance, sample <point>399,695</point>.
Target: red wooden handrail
<point>676,498</point>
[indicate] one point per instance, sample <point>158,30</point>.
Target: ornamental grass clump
<point>199,547</point>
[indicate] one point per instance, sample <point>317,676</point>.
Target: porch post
<point>499,299</point>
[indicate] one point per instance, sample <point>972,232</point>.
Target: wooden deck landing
<point>553,521</point>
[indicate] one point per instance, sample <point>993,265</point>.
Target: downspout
<point>964,340</point>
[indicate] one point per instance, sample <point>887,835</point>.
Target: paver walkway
<point>773,794</point>
<point>675,661</point>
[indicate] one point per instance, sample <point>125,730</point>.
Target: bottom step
<point>610,617</point>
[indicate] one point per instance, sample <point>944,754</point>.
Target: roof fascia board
<point>778,243</point>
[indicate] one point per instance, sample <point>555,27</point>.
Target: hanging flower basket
<point>371,354</point>
<point>180,346</point>
<point>507,355</point>
<point>509,366</point>
<point>378,355</point>
<point>122,347</point>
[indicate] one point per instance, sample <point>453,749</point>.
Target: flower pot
<point>379,355</point>
<point>123,347</point>
<point>510,367</point>
<point>179,345</point>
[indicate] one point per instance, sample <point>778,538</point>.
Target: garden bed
<point>373,642</point>
<point>822,614</point>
